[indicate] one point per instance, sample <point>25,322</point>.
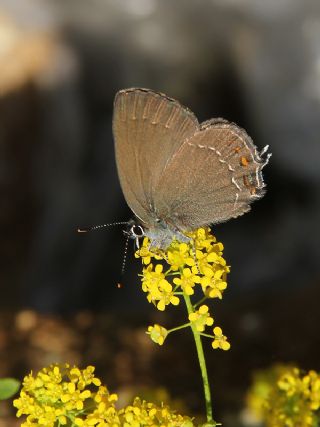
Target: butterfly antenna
<point>124,262</point>
<point>97,227</point>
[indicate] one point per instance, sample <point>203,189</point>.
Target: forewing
<point>148,129</point>
<point>214,176</point>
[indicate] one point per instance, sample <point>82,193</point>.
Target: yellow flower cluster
<point>198,262</point>
<point>196,265</point>
<point>284,396</point>
<point>159,290</point>
<point>62,395</point>
<point>142,413</point>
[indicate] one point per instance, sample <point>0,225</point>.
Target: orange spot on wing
<point>244,161</point>
<point>237,149</point>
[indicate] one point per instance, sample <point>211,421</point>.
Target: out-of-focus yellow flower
<point>58,393</point>
<point>42,406</point>
<point>220,340</point>
<point>157,333</point>
<point>284,396</point>
<point>142,413</point>
<point>201,318</point>
<point>312,381</point>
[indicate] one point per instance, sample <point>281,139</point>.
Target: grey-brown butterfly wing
<point>148,129</point>
<point>214,176</point>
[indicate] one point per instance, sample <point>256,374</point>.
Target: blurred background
<point>61,62</point>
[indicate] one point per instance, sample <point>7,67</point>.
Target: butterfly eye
<point>136,231</point>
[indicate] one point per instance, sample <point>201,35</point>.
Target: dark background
<point>251,62</point>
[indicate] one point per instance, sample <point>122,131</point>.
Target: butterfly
<point>178,174</point>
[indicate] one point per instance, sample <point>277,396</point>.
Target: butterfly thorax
<point>161,234</point>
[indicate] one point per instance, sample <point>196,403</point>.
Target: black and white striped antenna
<point>98,227</point>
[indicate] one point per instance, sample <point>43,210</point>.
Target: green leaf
<point>8,387</point>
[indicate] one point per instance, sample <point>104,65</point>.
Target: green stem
<point>202,363</point>
<point>200,302</point>
<point>206,335</point>
<point>178,328</point>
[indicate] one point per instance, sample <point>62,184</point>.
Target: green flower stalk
<point>200,265</point>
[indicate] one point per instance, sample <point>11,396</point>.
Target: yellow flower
<point>159,290</point>
<point>203,238</point>
<point>290,382</point>
<point>212,282</point>
<point>197,262</point>
<point>151,278</point>
<point>157,333</point>
<point>179,256</point>
<point>211,260</point>
<point>74,398</point>
<point>85,377</point>
<point>55,394</point>
<point>167,296</point>
<point>291,398</point>
<point>145,254</point>
<point>220,340</point>
<point>201,318</point>
<point>142,413</point>
<point>202,260</point>
<point>187,280</point>
<point>314,385</point>
<point>98,409</point>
